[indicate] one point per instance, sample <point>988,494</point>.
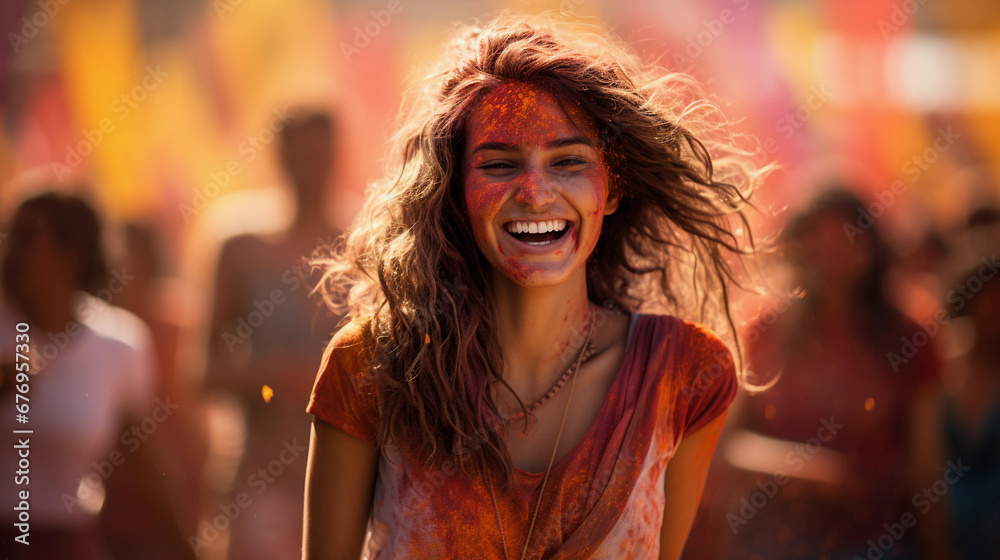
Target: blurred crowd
<point>870,427</point>
<point>873,427</point>
<point>132,455</point>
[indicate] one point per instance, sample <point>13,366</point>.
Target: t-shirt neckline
<point>568,456</point>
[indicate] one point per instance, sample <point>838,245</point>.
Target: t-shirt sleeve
<point>710,379</point>
<point>341,395</point>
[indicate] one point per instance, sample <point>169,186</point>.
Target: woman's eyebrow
<point>570,141</point>
<point>557,143</point>
<point>500,146</point>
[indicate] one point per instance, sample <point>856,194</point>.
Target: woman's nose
<point>534,192</point>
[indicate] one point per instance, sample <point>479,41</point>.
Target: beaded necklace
<point>569,373</point>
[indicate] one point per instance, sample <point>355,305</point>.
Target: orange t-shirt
<point>603,499</point>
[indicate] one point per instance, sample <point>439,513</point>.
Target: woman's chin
<point>547,275</point>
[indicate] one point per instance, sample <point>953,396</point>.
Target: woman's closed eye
<point>570,162</point>
<point>497,165</point>
<point>506,165</point>
<point>557,163</point>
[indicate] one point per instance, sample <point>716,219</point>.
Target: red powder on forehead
<point>517,110</point>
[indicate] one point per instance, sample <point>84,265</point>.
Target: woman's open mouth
<point>538,233</point>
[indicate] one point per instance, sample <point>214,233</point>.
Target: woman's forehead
<point>518,112</point>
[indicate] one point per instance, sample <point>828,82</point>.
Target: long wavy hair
<point>409,269</point>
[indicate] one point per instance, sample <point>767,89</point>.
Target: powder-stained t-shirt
<point>604,498</point>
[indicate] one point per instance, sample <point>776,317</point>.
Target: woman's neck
<point>541,330</point>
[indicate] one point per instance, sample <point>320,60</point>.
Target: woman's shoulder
<point>342,394</point>
<point>352,340</point>
<point>352,333</point>
<point>697,338</point>
<point>685,351</point>
<point>345,360</point>
<point>695,368</point>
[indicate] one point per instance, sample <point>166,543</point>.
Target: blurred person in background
<point>823,464</point>
<point>153,295</point>
<point>130,524</point>
<point>915,287</point>
<point>968,416</point>
<point>91,386</point>
<point>267,334</point>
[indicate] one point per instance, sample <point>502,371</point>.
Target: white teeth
<point>536,227</point>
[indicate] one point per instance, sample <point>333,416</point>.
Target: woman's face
<point>831,260</point>
<point>536,185</point>
<point>34,266</point>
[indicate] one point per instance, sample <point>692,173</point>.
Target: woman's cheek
<point>593,208</point>
<point>597,193</point>
<point>483,200</point>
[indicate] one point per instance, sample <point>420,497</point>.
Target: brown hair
<point>76,230</point>
<point>409,268</point>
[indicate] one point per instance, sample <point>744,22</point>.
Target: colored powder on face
<point>521,116</point>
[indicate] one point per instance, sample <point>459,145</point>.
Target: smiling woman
<point>529,163</point>
<point>504,388</point>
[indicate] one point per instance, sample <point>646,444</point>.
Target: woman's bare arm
<point>683,484</point>
<point>340,481</point>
